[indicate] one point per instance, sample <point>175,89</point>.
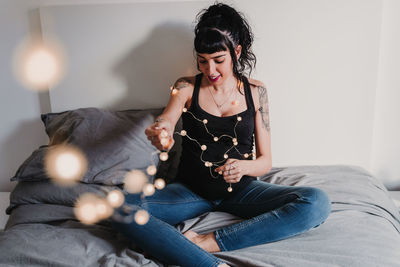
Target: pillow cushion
<point>113,142</point>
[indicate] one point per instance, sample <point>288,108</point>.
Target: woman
<point>224,114</point>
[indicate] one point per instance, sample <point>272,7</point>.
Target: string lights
<point>90,208</point>
<point>203,148</point>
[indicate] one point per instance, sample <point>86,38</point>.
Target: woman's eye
<point>202,61</point>
<point>219,62</point>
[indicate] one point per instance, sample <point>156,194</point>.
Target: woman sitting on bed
<point>224,113</point>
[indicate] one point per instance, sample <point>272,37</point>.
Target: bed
<point>363,228</point>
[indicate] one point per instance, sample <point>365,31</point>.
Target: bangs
<point>209,41</point>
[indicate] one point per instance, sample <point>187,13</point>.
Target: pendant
<point>230,188</point>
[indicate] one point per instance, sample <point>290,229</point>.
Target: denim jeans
<point>272,212</point>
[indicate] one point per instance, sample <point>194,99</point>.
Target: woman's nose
<point>211,68</point>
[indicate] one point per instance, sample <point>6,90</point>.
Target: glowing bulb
<point>235,143</point>
<point>184,109</point>
<point>239,118</point>
<point>134,181</point>
<point>205,121</point>
<point>220,172</point>
<point>208,164</point>
<point>163,156</point>
<point>225,156</point>
<point>65,164</point>
<point>203,147</point>
<point>148,190</point>
<point>151,170</point>
<point>234,140</point>
<point>246,155</point>
<point>215,139</point>
<point>115,198</point>
<point>142,217</point>
<point>159,183</point>
<point>230,189</point>
<point>183,132</point>
<point>164,133</point>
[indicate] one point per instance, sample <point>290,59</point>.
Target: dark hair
<point>222,28</point>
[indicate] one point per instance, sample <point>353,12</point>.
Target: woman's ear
<point>238,51</point>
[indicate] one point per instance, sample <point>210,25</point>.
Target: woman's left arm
<point>234,169</point>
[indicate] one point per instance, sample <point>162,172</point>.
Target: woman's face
<point>217,67</point>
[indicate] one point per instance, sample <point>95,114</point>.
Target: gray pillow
<point>112,141</point>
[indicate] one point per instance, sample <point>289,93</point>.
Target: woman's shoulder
<point>258,89</point>
<point>185,82</point>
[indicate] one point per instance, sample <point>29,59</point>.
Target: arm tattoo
<point>264,108</point>
<point>181,83</point>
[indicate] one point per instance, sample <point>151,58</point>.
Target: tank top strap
<point>248,95</point>
<point>195,95</point>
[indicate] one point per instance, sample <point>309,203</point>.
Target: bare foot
<point>206,242</point>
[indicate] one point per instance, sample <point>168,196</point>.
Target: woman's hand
<point>233,170</point>
<point>160,135</point>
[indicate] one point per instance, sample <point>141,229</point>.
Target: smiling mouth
<point>214,78</point>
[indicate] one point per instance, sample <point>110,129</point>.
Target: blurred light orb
<point>246,155</point>
<point>115,198</point>
<point>85,208</point>
<point>103,208</point>
<point>148,189</point>
<point>142,217</point>
<point>151,170</point>
<point>215,139</point>
<point>163,156</point>
<point>65,164</point>
<point>39,65</point>
<point>134,181</point>
<point>183,132</point>
<point>159,183</point>
<point>203,147</point>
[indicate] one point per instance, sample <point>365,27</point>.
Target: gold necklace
<point>220,105</point>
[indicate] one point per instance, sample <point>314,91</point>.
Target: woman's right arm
<point>160,133</point>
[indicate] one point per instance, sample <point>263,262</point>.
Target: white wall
<point>318,58</point>
<point>385,156</point>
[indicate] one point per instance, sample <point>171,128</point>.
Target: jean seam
<point>244,224</point>
<point>169,203</point>
<point>219,241</point>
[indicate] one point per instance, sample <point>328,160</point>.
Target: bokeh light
<point>39,65</point>
<point>148,189</point>
<point>163,156</point>
<point>134,181</point>
<point>86,209</point>
<point>159,183</point>
<point>115,198</point>
<point>151,170</point>
<point>142,217</point>
<point>65,164</point>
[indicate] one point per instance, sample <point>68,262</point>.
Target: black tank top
<point>192,171</point>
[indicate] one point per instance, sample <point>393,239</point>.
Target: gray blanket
<point>362,230</point>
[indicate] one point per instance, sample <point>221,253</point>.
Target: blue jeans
<point>272,212</point>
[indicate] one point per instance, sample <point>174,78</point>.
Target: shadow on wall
<point>150,68</point>
<point>18,146</point>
